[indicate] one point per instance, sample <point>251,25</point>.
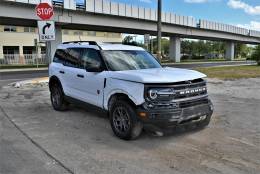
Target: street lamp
<point>159,29</point>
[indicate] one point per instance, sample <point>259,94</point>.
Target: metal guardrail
<point>26,59</point>
<point>222,27</point>
<point>126,10</point>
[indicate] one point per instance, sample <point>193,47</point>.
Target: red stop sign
<point>44,11</point>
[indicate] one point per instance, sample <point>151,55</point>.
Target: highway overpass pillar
<point>230,51</point>
<point>1,52</point>
<point>52,45</point>
<point>175,49</point>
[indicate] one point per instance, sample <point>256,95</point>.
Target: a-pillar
<point>175,49</point>
<point>230,51</point>
<point>51,46</point>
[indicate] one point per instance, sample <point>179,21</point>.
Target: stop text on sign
<point>44,11</point>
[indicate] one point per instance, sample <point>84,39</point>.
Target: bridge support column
<point>52,45</point>
<point>1,52</point>
<point>230,51</point>
<point>175,49</point>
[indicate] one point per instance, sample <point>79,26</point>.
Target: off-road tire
<point>134,128</point>
<point>57,98</point>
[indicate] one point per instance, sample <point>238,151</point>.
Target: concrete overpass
<point>102,15</point>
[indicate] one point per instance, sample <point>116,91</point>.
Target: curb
<point>23,69</point>
<point>32,81</point>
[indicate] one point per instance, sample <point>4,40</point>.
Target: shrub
<point>256,55</point>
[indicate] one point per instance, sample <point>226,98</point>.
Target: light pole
<point>159,30</point>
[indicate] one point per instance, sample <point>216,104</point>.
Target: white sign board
<point>46,30</point>
<point>146,39</point>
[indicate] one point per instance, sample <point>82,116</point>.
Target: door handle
<point>80,75</point>
<point>62,72</point>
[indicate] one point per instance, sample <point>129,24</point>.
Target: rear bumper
<point>167,118</point>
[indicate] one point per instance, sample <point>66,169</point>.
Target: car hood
<point>157,75</point>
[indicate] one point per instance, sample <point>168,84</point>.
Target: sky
<point>243,13</point>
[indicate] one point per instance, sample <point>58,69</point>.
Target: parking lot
<point>37,139</point>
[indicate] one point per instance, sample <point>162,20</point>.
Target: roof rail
<point>79,42</point>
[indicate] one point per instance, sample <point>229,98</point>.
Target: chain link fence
<point>26,59</point>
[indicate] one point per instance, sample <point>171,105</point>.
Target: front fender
<point>135,91</point>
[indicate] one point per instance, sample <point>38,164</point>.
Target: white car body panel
<point>158,75</point>
<point>135,91</point>
<point>91,87</point>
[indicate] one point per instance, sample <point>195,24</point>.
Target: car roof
<point>98,46</point>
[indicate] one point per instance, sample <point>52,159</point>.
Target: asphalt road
<point>35,139</point>
<point>9,77</point>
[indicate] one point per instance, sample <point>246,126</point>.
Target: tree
<point>256,54</point>
<point>241,50</point>
<point>128,40</point>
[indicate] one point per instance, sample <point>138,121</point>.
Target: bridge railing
<point>121,9</point>
<point>254,33</point>
<point>131,11</point>
<point>204,24</point>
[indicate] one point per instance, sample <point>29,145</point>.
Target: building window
<point>101,34</point>
<point>10,28</point>
<point>66,32</point>
<point>43,50</point>
<point>78,33</point>
<point>91,33</point>
<point>29,50</point>
<point>11,50</point>
<point>29,29</point>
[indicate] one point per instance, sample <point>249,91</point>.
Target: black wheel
<point>57,98</point>
<point>124,121</point>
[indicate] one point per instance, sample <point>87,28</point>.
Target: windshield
<point>120,60</point>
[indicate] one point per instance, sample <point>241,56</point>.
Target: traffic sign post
<point>146,40</point>
<point>44,11</point>
<point>46,30</point>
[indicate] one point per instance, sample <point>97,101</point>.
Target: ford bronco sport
<point>130,84</point>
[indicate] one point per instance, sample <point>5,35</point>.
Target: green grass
<point>21,66</point>
<point>201,60</point>
<point>231,72</point>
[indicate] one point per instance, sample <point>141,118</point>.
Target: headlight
<point>161,93</point>
<point>152,94</point>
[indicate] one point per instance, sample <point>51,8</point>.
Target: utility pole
<point>159,30</point>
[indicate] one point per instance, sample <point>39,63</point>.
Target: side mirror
<point>94,67</point>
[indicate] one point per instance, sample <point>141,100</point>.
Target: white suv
<point>130,84</point>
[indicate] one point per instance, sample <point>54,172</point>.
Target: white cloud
<point>253,25</point>
<point>238,4</point>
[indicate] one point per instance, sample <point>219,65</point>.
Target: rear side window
<point>73,57</point>
<point>60,56</point>
<point>68,57</point>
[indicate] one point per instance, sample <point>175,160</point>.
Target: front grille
<point>189,89</point>
<point>187,93</point>
<point>190,103</point>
